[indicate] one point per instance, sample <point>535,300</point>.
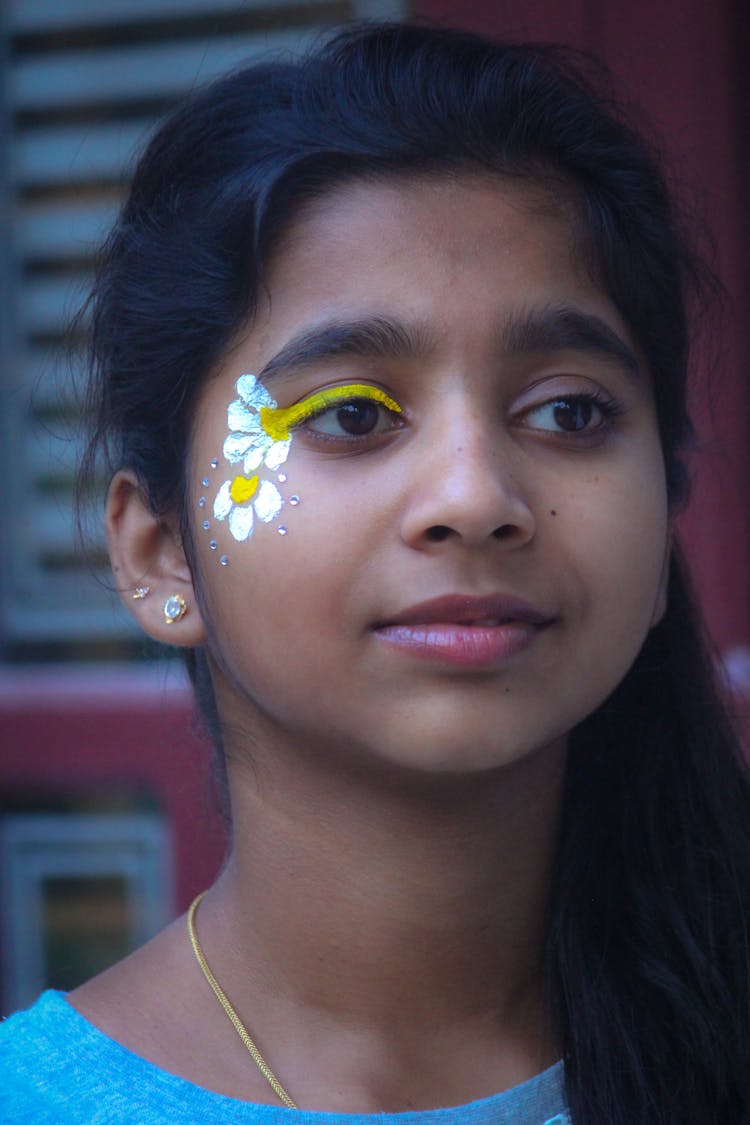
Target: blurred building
<point>107,825</point>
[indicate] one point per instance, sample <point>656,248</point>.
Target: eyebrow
<point>559,328</point>
<point>550,329</point>
<point>370,338</point>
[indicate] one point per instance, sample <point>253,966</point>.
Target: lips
<point>460,609</point>
<point>465,630</point>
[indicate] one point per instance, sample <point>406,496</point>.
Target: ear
<point>147,554</point>
<point>660,604</point>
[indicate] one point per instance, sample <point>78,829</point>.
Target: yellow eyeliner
<point>278,421</point>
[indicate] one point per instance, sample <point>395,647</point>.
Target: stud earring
<point>140,592</point>
<point>175,607</point>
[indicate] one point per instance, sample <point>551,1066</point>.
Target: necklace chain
<point>235,1020</point>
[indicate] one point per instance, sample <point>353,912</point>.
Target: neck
<point>388,903</point>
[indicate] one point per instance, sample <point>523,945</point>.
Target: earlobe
<point>150,567</point>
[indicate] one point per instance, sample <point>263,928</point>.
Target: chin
<point>452,756</point>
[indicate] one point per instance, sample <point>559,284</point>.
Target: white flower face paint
<point>249,441</point>
<point>244,499</point>
<point>261,434</point>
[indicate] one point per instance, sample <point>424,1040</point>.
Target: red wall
<point>101,737</point>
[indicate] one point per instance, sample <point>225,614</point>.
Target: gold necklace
<point>236,1022</point>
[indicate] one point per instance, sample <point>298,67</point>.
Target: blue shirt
<point>56,1067</point>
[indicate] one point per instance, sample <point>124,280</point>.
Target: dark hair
<point>648,952</point>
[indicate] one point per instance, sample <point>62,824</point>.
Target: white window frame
<point>39,846</point>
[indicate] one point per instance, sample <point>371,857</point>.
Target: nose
<point>467,486</point>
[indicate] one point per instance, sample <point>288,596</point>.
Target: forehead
<point>459,253</point>
<point>457,212</point>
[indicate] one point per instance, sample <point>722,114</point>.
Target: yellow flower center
<point>243,488</point>
<point>277,422</point>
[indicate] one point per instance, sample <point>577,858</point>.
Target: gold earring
<point>175,607</point>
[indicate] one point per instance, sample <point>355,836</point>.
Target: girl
<point>389,354</point>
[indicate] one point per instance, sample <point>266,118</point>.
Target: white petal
<point>245,386</point>
<point>253,459</point>
<point>240,418</point>
<point>241,522</point>
<point>237,446</point>
<point>253,392</point>
<point>268,502</point>
<point>277,454</point>
<point>223,501</point>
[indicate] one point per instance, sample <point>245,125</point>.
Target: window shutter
<point>83,82</point>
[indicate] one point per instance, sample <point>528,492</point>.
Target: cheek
<point>278,580</point>
<point>621,539</point>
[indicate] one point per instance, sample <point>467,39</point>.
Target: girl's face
<point>473,535</point>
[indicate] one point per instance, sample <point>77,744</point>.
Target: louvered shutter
<point>82,82</point>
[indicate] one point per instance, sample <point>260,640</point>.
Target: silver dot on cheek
<point>214,464</point>
<point>206,482</point>
<point>213,544</point>
<point>294,501</point>
<point>224,560</point>
<point>282,478</point>
<point>202,502</point>
<point>282,531</point>
<point>206,525</point>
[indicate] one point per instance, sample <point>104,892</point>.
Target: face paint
<point>249,440</point>
<point>278,422</point>
<point>248,497</point>
<point>261,436</point>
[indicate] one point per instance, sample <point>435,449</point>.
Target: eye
<point>360,417</point>
<point>572,414</point>
<point>349,413</point>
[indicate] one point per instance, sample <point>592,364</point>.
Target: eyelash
<point>333,408</point>
<point>607,407</point>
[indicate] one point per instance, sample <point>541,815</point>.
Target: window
<point>82,85</point>
<point>79,892</point>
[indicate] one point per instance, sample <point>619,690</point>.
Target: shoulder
<point>42,1051</point>
<point>57,1067</point>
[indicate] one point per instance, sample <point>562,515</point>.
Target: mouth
<point>482,632</point>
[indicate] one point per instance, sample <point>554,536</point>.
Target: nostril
<point>438,533</point>
<point>503,532</point>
